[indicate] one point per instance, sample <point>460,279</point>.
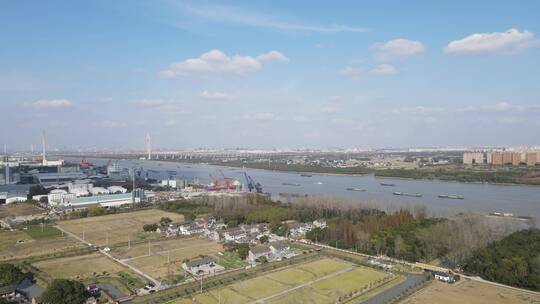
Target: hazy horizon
<point>269,74</point>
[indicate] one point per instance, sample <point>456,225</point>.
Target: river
<point>482,198</point>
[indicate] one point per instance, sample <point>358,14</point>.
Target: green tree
<point>316,234</point>
<point>263,239</point>
<point>10,274</point>
<point>96,210</point>
<point>165,221</point>
<point>243,250</point>
<point>150,227</point>
<point>63,291</point>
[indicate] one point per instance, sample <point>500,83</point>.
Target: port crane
<point>253,185</point>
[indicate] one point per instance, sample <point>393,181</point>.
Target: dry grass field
<point>177,250</point>
<point>117,226</point>
<point>342,277</point>
<point>18,244</point>
<point>19,209</point>
<point>470,292</point>
<point>79,267</point>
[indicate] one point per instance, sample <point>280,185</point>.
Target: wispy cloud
<point>109,124</point>
<point>357,72</point>
<point>208,95</point>
<point>238,16</point>
<point>262,116</point>
<point>52,104</point>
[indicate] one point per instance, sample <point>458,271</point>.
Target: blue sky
<point>269,74</point>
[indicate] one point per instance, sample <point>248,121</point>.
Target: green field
<point>40,233</point>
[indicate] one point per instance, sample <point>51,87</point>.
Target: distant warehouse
<point>108,200</point>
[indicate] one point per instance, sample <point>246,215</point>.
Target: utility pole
<point>129,243</point>
<point>149,254</point>
<point>107,238</point>
<point>83,235</point>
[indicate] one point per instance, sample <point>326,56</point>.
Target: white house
<point>234,235</point>
<point>280,250</point>
<point>319,223</point>
<point>299,229</point>
<point>443,276</point>
<point>202,266</point>
<point>190,228</point>
<point>258,252</point>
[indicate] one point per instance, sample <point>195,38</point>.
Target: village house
<point>299,230</point>
<point>281,250</point>
<point>444,277</point>
<point>259,251</point>
<point>319,224</point>
<point>212,234</point>
<point>190,228</point>
<point>202,266</point>
<point>234,235</point>
<point>251,228</point>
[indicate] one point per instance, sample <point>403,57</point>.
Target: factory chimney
<point>149,146</point>
<point>44,143</point>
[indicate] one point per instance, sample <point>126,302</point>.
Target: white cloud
<point>217,62</point>
<point>108,124</point>
<point>383,69</point>
<point>329,110</point>
<point>420,110</point>
<point>150,103</point>
<point>300,118</point>
<point>230,15</point>
<point>356,72</point>
<point>215,95</point>
<point>500,107</point>
<point>262,116</point>
<point>52,103</point>
<point>511,41</point>
<point>352,72</point>
<point>398,49</point>
<point>343,121</point>
<point>273,56</point>
<point>171,122</point>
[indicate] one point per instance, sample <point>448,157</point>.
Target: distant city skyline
<point>269,74</point>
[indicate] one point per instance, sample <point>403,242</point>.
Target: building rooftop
<point>199,262</point>
<point>260,249</point>
<point>279,245</point>
<point>99,199</point>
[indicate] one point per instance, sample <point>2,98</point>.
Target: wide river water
<point>482,198</point>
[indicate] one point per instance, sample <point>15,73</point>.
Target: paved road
<point>134,269</point>
<point>385,296</point>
